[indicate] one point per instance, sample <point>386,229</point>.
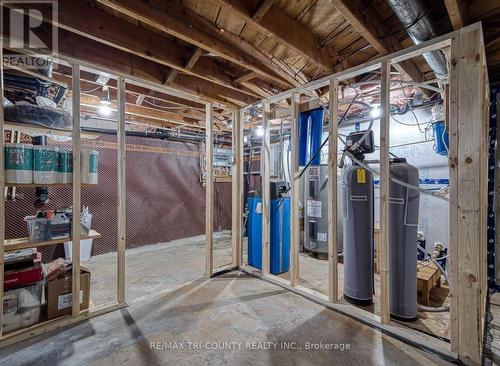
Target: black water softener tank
<point>357,196</point>
<point>403,215</point>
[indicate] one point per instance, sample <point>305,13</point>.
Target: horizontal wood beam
<point>189,65</point>
<point>248,75</point>
<point>90,88</point>
<point>271,19</point>
<point>370,25</point>
<point>262,9</point>
<point>81,48</point>
<point>90,78</point>
<point>456,13</point>
<point>92,101</point>
<point>113,31</point>
<point>182,23</point>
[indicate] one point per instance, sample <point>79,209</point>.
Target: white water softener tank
<point>357,196</point>
<point>403,216</point>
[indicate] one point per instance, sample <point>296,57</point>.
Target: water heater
<point>316,211</point>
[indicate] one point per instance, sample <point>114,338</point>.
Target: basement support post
<point>333,290</point>
<point>266,199</point>
<point>209,192</point>
<point>237,189</point>
<point>468,215</point>
<point>295,193</point>
<point>76,227</point>
<point>122,211</point>
<point>384,246</point>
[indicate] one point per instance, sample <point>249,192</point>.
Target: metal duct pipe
<point>412,15</point>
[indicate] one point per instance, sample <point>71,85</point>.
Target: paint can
<point>65,166</point>
<point>45,161</point>
<point>89,166</point>
<point>18,163</point>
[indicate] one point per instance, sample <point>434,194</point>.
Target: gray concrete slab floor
<point>174,317</point>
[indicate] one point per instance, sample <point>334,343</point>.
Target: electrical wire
<point>412,111</point>
<point>90,91</point>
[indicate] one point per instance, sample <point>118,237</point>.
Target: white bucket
<point>18,163</point>
<point>65,166</point>
<point>45,158</point>
<point>89,166</point>
<point>85,249</point>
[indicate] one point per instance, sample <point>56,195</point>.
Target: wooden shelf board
<point>22,243</point>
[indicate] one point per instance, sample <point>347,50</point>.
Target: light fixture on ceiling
<point>104,99</point>
<point>259,131</point>
<point>375,111</point>
<point>105,102</point>
<point>104,110</point>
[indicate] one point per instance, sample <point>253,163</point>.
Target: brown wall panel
<point>165,199</point>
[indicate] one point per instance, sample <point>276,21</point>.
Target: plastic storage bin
<point>85,249</point>
<point>21,306</point>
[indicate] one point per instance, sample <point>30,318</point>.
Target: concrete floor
<point>492,346</point>
<point>169,304</point>
<point>313,274</point>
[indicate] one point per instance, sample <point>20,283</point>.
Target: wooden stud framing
<point>209,192</point>
<point>2,189</point>
<point>467,120</point>
<point>237,189</point>
<point>266,200</point>
<point>121,191</point>
<point>452,123</point>
<point>295,192</point>
<point>384,194</point>
<point>468,217</point>
<point>76,227</point>
<point>333,291</point>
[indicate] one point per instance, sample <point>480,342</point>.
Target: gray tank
<point>316,211</point>
<point>357,194</point>
<point>403,215</point>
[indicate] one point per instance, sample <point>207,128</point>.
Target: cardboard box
<point>59,294</point>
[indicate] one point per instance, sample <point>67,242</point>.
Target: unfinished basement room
<point>250,182</point>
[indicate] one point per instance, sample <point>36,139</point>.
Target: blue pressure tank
<point>441,142</point>
<point>310,132</point>
<point>280,229</point>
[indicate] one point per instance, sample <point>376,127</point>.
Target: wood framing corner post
<point>2,189</point>
<point>295,193</point>
<point>209,192</point>
<point>266,199</point>
<point>384,194</point>
<point>121,199</point>
<point>333,294</point>
<point>468,201</point>
<point>76,227</point>
<point>237,189</point>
